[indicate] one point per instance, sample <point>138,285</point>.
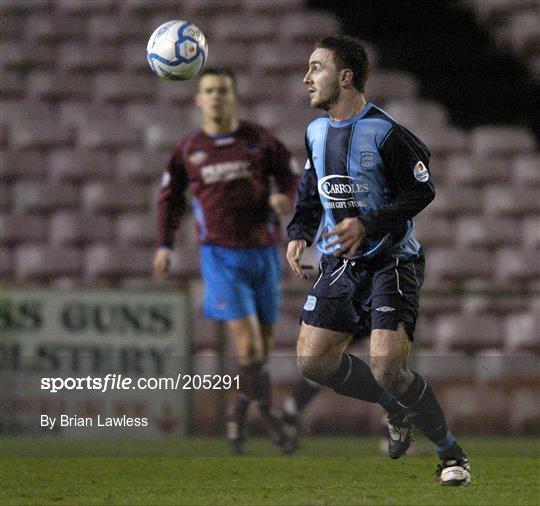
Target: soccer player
<point>366,176</point>
<point>230,166</point>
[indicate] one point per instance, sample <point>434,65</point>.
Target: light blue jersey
<point>367,167</point>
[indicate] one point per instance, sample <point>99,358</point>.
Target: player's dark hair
<point>219,71</point>
<point>349,53</point>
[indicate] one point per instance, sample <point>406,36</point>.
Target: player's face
<point>216,97</point>
<point>322,79</point>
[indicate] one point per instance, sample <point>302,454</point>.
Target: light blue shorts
<point>240,282</point>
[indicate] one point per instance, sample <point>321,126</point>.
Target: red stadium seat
<point>487,232</point>
<point>44,85</point>
<point>531,233</point>
<point>466,170</point>
<point>500,140</point>
<point>85,7</point>
<point>86,58</point>
<point>38,134</point>
<point>103,135</point>
<point>119,88</point>
<point>451,202</point>
<point>468,332</point>
<point>41,263</point>
<point>16,229</point>
<point>40,198</point>
<point>23,165</point>
<point>6,263</point>
<point>71,166</point>
<point>133,166</point>
<point>459,266</point>
<point>515,265</point>
<point>522,333</point>
<point>111,263</point>
<point>114,198</point>
<point>136,229</point>
<point>505,200</point>
<point>68,229</point>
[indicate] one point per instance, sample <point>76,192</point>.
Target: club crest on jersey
<point>197,157</point>
<point>367,159</point>
<point>420,172</point>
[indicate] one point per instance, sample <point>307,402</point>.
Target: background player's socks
<point>303,393</point>
<point>236,423</point>
<point>420,398</point>
<point>354,378</point>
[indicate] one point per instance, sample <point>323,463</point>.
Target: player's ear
<point>346,77</point>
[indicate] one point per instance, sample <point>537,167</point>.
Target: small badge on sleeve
<point>420,172</point>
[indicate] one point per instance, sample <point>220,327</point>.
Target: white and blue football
<point>177,50</point>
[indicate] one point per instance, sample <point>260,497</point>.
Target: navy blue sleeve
<point>308,209</point>
<point>408,179</point>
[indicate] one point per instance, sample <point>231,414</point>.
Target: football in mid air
<point>177,50</point>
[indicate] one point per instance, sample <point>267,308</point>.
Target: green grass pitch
<point>326,471</point>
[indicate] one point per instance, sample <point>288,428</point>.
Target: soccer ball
<point>177,50</point>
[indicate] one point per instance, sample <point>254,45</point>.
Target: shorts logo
<point>385,309</point>
<point>367,160</point>
<point>420,172</point>
<point>310,303</point>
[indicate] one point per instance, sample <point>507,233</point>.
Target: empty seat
<point>104,135</point>
<point>5,196</point>
<point>526,170</point>
<point>531,233</point>
<point>134,60</point>
<point>47,86</point>
<point>11,85</point>
<point>151,6</point>
<point>44,263</point>
<point>468,332</point>
<point>104,28</point>
<point>78,57</point>
<point>465,170</point>
<point>511,201</point>
<point>459,265</point>
<point>138,167</point>
<point>273,115</point>
<point>170,92</point>
<point>85,7</point>
<point>503,368</point>
<point>25,56</point>
<point>122,88</point>
<point>79,229</point>
<point>443,141</point>
<point>66,165</point>
<point>17,165</point>
<point>487,232</point>
<point>245,28</point>
<point>451,202</point>
<point>270,58</point>
<point>110,262</point>
<point>444,367</point>
<point>38,134</point>
<point>26,110</point>
<point>434,230</point>
<point>522,333</point>
<point>137,229</point>
<point>53,27</point>
<point>79,114</point>
<point>6,263</point>
<point>307,26</point>
<point>40,198</point>
<point>164,135</point>
<point>414,111</point>
<point>384,85</point>
<point>517,265</point>
<point>16,229</point>
<point>525,411</point>
<point>143,114</point>
<point>114,198</point>
<point>259,6</point>
<point>497,140</point>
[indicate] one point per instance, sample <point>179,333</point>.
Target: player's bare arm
<point>349,234</point>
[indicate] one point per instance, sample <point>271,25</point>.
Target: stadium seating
<point>86,132</point>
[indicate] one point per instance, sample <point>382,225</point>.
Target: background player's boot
<point>273,426</point>
<point>236,435</point>
<point>290,426</point>
<point>400,433</point>
<point>454,472</point>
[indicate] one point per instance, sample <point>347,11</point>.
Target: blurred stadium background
<point>85,131</point>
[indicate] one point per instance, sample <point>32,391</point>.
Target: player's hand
<point>162,261</point>
<point>295,250</point>
<point>349,234</point>
<point>280,203</point>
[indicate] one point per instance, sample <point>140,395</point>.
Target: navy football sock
<point>354,378</point>
<point>421,399</point>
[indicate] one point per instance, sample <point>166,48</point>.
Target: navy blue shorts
<point>240,282</point>
<point>353,298</point>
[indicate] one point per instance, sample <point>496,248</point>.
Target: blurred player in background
<point>230,166</point>
<point>366,177</point>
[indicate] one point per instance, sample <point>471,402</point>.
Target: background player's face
<point>216,97</point>
<point>322,79</point>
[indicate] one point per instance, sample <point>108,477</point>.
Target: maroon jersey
<point>230,177</point>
